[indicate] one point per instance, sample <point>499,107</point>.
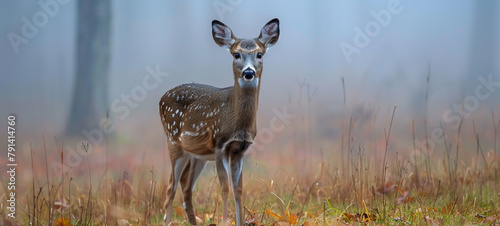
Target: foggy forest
<point>383,112</point>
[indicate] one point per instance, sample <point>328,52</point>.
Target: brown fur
<point>228,110</point>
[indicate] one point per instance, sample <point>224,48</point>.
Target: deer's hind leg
<point>189,176</point>
<point>179,162</point>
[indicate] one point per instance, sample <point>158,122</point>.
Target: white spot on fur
<point>188,133</point>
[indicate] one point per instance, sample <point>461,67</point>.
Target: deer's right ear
<point>222,34</point>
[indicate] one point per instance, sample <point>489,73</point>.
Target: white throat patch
<point>248,83</point>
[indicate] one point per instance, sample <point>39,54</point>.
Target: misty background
<point>456,41</point>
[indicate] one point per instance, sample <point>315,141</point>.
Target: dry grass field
<point>367,174</point>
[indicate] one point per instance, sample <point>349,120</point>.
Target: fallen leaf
<point>292,219</point>
<point>270,213</point>
<point>199,220</point>
<point>63,222</point>
<point>387,188</point>
<point>251,220</point>
<point>179,211</point>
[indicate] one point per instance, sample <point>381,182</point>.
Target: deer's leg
<point>236,164</point>
<point>221,164</point>
<point>178,165</point>
<point>189,177</point>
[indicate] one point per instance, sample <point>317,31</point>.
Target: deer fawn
<point>205,123</point>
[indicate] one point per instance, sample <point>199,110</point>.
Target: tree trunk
<point>90,97</point>
<point>483,45</point>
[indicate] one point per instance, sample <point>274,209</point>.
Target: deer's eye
<point>237,56</point>
<point>259,55</point>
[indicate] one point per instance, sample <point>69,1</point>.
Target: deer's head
<point>247,53</point>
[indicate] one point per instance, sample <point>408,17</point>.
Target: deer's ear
<point>222,34</point>
<point>270,33</point>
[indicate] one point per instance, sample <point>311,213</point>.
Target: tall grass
<point>369,174</point>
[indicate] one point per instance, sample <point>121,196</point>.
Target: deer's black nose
<point>248,74</point>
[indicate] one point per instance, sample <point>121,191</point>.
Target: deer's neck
<point>245,103</point>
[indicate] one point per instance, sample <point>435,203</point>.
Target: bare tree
<point>90,92</point>
<point>483,44</point>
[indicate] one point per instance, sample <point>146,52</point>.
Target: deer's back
<point>191,115</point>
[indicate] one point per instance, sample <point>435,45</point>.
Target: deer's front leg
<point>236,164</point>
<point>189,177</point>
<point>221,164</point>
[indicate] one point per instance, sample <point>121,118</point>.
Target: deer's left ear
<point>270,33</point>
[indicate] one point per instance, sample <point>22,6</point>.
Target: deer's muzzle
<point>249,74</point>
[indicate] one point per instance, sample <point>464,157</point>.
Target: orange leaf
<point>63,222</point>
<point>387,188</point>
<point>292,219</point>
<point>268,212</point>
<point>401,192</point>
<point>349,216</point>
<point>179,211</point>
